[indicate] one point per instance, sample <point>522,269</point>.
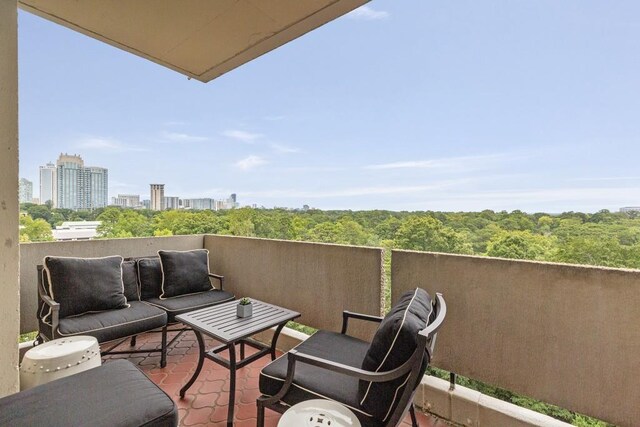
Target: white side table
<point>57,359</point>
<point>319,413</point>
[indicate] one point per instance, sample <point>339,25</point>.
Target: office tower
<point>127,201</point>
<point>157,197</point>
<point>199,204</point>
<point>146,203</point>
<point>97,181</point>
<point>171,202</point>
<point>26,191</point>
<point>48,185</point>
<point>80,187</point>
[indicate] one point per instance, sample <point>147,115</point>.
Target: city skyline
<point>401,105</point>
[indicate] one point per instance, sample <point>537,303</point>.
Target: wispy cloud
<point>250,162</point>
<point>465,162</point>
<point>284,149</point>
<point>106,144</point>
<point>183,137</point>
<point>351,192</point>
<point>241,135</point>
<point>607,178</point>
<point>365,13</point>
<point>274,118</point>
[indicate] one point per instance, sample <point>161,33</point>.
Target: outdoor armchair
<point>376,381</point>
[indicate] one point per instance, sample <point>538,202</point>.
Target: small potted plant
<point>245,308</point>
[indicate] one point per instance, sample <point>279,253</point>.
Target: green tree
<point>424,233</point>
<point>34,230</point>
<point>521,245</point>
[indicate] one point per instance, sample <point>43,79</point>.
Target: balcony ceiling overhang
<point>202,39</point>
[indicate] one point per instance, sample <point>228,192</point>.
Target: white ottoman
<point>57,359</point>
<point>318,413</point>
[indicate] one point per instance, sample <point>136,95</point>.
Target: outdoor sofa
<point>113,298</point>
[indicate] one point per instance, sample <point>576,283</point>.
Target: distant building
<point>630,209</point>
<point>157,197</point>
<point>76,230</point>
<point>229,203</point>
<point>199,204</point>
<point>26,191</point>
<point>127,201</point>
<point>146,204</point>
<point>48,184</point>
<point>80,187</point>
<point>171,202</point>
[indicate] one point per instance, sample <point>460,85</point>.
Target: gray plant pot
<point>244,310</point>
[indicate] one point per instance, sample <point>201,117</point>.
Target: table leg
<point>201,352</point>
<point>232,385</point>
<point>274,341</point>
<point>241,350</point>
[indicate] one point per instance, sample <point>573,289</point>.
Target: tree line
<point>604,238</point>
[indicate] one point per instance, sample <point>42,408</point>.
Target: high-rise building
<point>80,187</point>
<point>228,203</point>
<point>171,202</point>
<point>48,185</point>
<point>199,204</point>
<point>26,191</point>
<point>157,197</point>
<point>127,201</point>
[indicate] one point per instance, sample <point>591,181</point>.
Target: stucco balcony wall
<point>318,280</point>
<point>564,334</point>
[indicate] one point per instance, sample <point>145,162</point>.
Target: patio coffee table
<point>221,323</point>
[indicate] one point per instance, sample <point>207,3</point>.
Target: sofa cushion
<point>184,303</point>
<point>392,345</point>
<point>113,324</point>
<point>184,272</point>
<point>82,285</point>
<point>115,394</point>
<point>130,280</point>
<point>149,277</point>
<point>311,382</point>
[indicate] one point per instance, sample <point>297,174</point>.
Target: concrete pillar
<point>9,208</point>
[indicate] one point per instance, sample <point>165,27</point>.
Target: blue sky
<point>404,105</point>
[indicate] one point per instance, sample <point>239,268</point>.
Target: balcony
<point>566,335</point>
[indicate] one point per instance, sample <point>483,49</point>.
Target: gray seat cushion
<point>184,272</point>
<point>314,383</point>
<point>82,285</point>
<point>113,324</point>
<point>392,345</point>
<point>184,303</point>
<point>115,394</point>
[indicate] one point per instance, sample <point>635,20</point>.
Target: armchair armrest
<point>219,278</point>
<point>346,315</point>
<point>55,312</point>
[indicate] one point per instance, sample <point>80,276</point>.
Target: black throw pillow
<point>150,277</point>
<point>392,345</point>
<point>184,272</point>
<point>82,285</point>
<point>130,279</point>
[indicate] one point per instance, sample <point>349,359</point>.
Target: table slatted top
<point>221,322</point>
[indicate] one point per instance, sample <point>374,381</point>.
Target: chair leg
<point>260,420</point>
<point>412,412</point>
<point>163,357</point>
<point>133,340</point>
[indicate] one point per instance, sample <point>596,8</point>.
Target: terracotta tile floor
<point>206,402</point>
